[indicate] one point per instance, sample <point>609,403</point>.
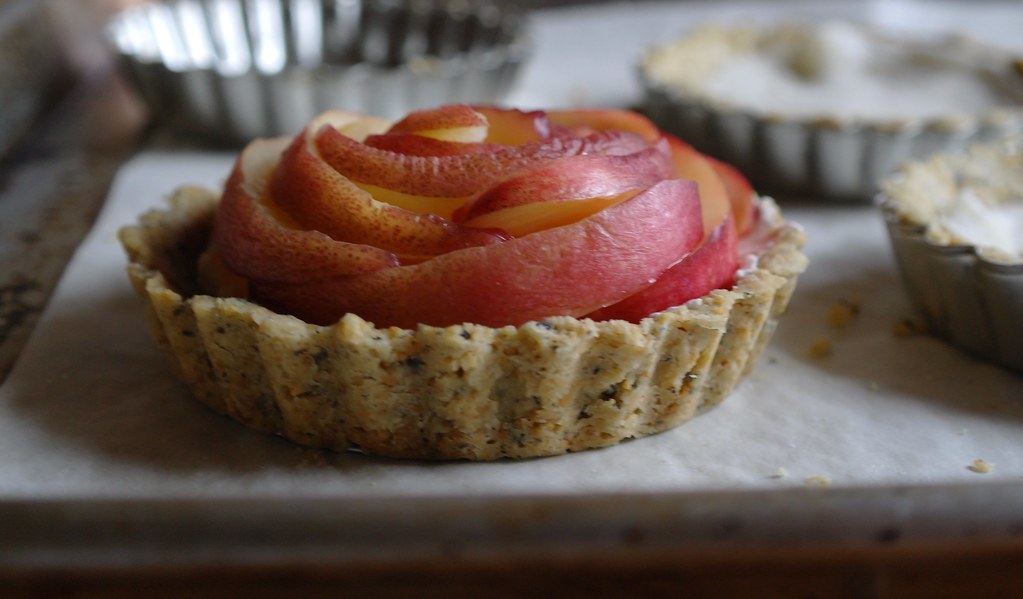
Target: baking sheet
<point>90,410</point>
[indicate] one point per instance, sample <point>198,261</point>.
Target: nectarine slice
<point>565,190</point>
<point>740,194</point>
<point>694,166</point>
<point>257,241</point>
<point>569,270</point>
<point>711,266</point>
<point>457,176</point>
<point>417,145</point>
<point>515,127</point>
<point>594,119</point>
<point>318,197</point>
<point>452,122</point>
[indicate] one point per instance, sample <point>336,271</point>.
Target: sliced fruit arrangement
<point>479,214</point>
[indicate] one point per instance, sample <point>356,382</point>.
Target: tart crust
<point>968,294</point>
<point>829,156</point>
<point>460,392</point>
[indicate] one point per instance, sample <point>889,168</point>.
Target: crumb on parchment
<point>819,481</point>
<point>820,348</point>
<point>907,327</point>
<point>781,473</point>
<point>981,466</point>
<point>840,316</point>
<point>842,313</point>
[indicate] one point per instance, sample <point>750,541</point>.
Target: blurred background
<point>52,48</point>
<point>46,49</point>
<point>49,47</point>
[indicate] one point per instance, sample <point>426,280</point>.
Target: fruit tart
<point>468,282</point>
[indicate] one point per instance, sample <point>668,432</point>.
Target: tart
<point>574,292</point>
<point>829,109</point>
<point>956,227</point>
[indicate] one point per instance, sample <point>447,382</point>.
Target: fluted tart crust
<point>459,392</point>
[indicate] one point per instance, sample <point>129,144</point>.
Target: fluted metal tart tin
<point>837,158</point>
<point>968,294</point>
<point>233,70</point>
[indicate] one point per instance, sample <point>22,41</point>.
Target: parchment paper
<point>91,410</point>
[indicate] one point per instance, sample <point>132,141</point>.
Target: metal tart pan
<point>233,70</point>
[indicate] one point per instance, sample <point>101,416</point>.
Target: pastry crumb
<point>907,327</point>
<point>820,348</point>
<point>819,481</point>
<point>842,313</point>
<point>981,466</point>
<point>781,473</point>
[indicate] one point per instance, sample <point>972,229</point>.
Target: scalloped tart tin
<point>232,70</point>
<point>956,228</point>
<point>460,392</point>
<point>827,110</point>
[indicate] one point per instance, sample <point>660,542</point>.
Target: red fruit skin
<point>301,224</point>
<point>572,178</point>
<point>740,194</point>
<point>711,266</point>
<point>568,270</point>
<point>450,116</point>
<point>516,127</point>
<point>255,243</point>
<point>737,187</point>
<point>417,145</point>
<point>457,175</point>
<point>504,128</point>
<point>598,119</point>
<point>320,198</point>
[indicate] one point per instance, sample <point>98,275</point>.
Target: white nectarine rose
<point>478,214</point>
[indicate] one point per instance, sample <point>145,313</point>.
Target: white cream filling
<point>969,199</point>
<point>755,243</point>
<point>995,227</point>
<point>838,70</point>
